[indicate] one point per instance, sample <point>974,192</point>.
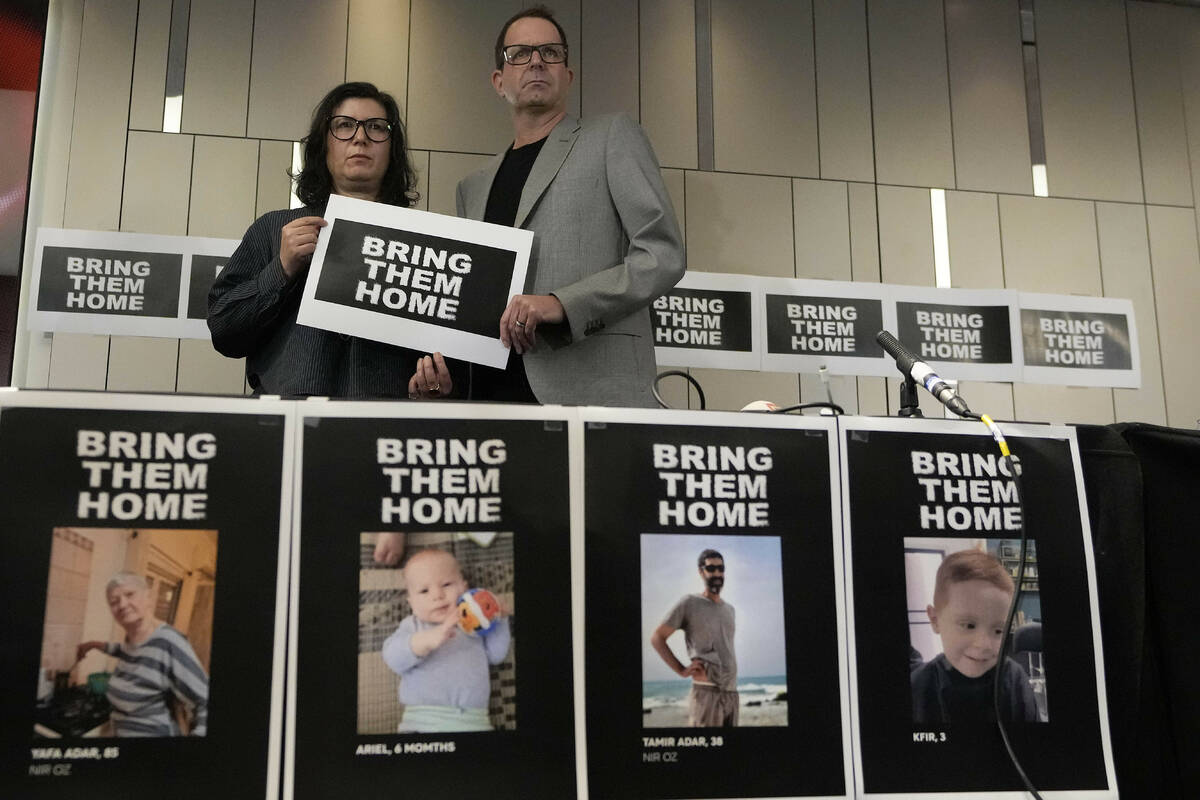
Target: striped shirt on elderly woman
<point>162,668</point>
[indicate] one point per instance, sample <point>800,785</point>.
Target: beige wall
<point>831,119</point>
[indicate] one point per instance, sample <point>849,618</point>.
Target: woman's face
<point>358,164</point>
<point>129,605</point>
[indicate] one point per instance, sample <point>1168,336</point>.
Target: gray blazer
<point>606,244</point>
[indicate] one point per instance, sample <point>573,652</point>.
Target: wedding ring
<point>520,324</point>
<point>437,387</point>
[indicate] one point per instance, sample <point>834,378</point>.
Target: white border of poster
<point>175,404</point>
<point>882,366</point>
<point>847,426</point>
<point>966,297</point>
<point>1068,376</point>
<point>176,327</point>
<point>714,419</point>
<point>716,358</point>
<point>382,327</point>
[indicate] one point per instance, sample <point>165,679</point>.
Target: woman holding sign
<point>355,147</point>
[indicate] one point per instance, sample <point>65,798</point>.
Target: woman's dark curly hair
<point>314,183</point>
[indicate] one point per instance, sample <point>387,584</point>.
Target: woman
<point>157,671</point>
<point>355,147</point>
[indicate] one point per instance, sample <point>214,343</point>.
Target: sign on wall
<point>1079,341</point>
<point>709,320</point>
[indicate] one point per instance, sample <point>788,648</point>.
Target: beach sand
<point>773,714</point>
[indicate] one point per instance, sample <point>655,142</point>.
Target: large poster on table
<point>713,633</point>
<point>431,623</point>
<point>145,648</point>
<point>933,534</point>
<point>415,279</point>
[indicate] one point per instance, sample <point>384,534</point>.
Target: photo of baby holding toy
<point>446,665</point>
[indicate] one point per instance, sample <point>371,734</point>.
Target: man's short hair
<point>706,555</point>
<point>314,183</point>
<point>969,565</point>
<point>541,12</point>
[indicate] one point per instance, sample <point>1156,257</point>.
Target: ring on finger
<point>520,324</point>
<point>437,387</point>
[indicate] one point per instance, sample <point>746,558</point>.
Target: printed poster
<point>933,535</point>
<point>126,284</point>
<point>415,279</point>
<point>1079,341</point>
<point>431,621</point>
<point>709,320</point>
<point>145,650</point>
<point>969,334</point>
<point>710,593</point>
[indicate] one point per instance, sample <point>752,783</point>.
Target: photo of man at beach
<point>713,653</point>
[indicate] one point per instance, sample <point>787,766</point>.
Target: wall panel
<point>1087,100</point>
<point>216,79</point>
<point>150,66</point>
<point>224,184</point>
<point>608,33</point>
<point>101,113</point>
<point>297,58</point>
<point>1050,245</point>
<point>274,186</point>
<point>142,364</point>
<point>973,230</point>
<point>377,46</point>
<point>668,79</point>
<point>445,171</point>
<point>1125,267</point>
<point>821,223</point>
<point>202,370</point>
<point>843,83</point>
<point>905,236</point>
<point>764,105</point>
<point>1060,404</point>
<point>910,93</point>
<point>987,96</point>
<point>674,179</point>
<point>451,102</point>
<point>78,361</point>
<point>730,390</point>
<point>158,169</point>
<point>739,223</point>
<point>1176,268</point>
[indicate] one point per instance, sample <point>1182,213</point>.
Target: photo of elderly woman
<point>128,633</point>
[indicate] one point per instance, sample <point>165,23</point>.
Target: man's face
<point>712,571</point>
<point>536,85</point>
<point>971,623</point>
<point>357,164</point>
<point>434,586</point>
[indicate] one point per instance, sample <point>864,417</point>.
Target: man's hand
<point>696,671</point>
<point>431,380</point>
<point>522,317</point>
<point>297,241</point>
<point>389,548</point>
<point>426,641</point>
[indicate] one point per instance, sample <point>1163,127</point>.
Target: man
<point>606,240</point>
<point>707,624</point>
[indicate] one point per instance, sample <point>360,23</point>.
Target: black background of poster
<point>42,477</point>
<point>869,323</point>
<point>1114,344</point>
<point>343,488</point>
<point>736,334</point>
<point>204,274</point>
<point>622,493</point>
<point>994,338</point>
<point>1064,753</point>
<point>161,289</point>
<point>484,289</point>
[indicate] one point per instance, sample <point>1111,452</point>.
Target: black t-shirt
<point>509,384</point>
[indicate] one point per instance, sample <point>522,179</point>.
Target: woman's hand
<point>85,647</point>
<point>431,380</point>
<point>297,241</point>
<point>389,548</point>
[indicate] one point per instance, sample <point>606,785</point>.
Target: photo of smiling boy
<point>444,683</point>
<point>972,593</point>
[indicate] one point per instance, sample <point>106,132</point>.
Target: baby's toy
<point>477,612</point>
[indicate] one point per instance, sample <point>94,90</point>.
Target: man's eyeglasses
<point>518,54</point>
<point>376,128</point>
<point>711,568</point>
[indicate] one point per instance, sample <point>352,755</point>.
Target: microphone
<point>921,372</point>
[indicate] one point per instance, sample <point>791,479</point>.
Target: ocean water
<point>656,694</point>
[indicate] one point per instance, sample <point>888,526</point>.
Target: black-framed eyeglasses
<point>552,53</point>
<point>711,568</point>
<point>377,129</point>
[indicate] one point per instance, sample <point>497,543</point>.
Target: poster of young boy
<point>430,639</point>
<point>933,530</point>
<point>145,590</point>
<point>711,583</point>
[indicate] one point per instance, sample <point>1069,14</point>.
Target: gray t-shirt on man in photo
<point>708,632</point>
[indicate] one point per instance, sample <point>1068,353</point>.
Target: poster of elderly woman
<point>125,648</point>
